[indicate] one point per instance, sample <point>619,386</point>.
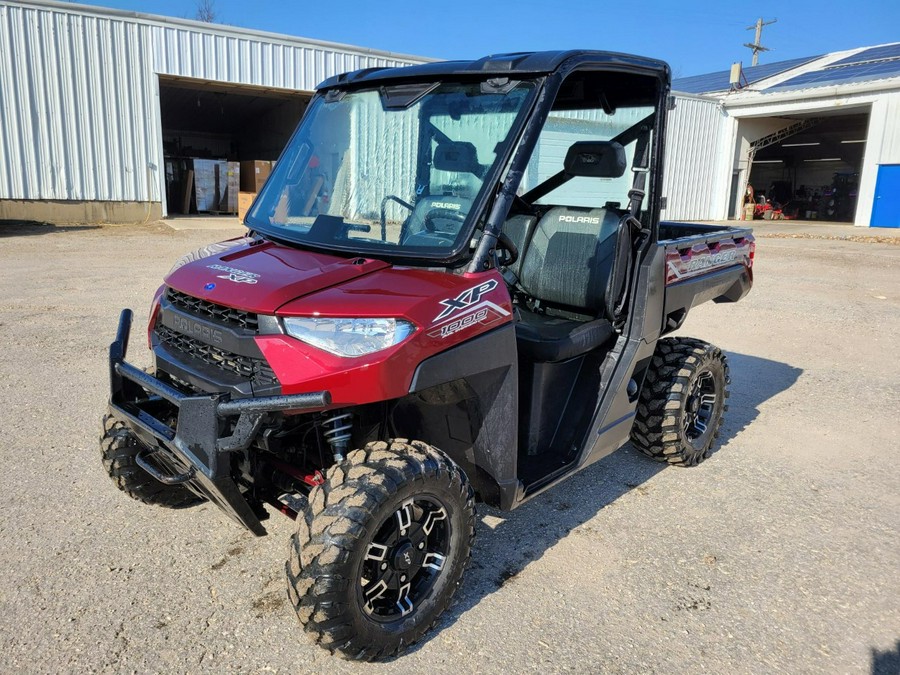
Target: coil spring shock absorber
<point>337,433</point>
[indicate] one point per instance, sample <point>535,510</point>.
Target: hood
<point>261,277</point>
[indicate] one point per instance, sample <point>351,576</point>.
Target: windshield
<point>393,171</point>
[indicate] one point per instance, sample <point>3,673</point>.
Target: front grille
<point>204,309</point>
<point>245,367</point>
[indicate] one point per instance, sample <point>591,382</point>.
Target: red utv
<point>455,285</point>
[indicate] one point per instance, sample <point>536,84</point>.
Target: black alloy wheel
<point>381,549</point>
<point>405,559</point>
<point>700,408</point>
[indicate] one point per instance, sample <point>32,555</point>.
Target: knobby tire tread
<point>318,567</point>
<point>118,448</point>
<point>658,430</point>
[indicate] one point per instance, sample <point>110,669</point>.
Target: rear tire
<point>682,402</point>
<point>118,447</point>
<point>381,549</point>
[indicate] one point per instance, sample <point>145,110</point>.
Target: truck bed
<point>704,262</point>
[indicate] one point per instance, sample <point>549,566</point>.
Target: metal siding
<point>693,154</point>
<point>882,147</point>
<point>79,108</point>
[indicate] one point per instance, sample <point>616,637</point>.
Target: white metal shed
<point>80,131</point>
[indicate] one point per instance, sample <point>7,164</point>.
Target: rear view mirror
<point>458,156</point>
<point>596,159</point>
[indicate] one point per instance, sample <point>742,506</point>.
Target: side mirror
<point>457,156</point>
<point>596,159</point>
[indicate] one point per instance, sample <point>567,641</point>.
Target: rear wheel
<point>682,402</point>
<point>381,549</point>
<point>118,447</point>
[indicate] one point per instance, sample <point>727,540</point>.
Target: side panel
<point>692,259</point>
<point>465,402</point>
<point>704,266</point>
<point>629,361</point>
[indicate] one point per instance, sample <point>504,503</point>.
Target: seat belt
<point>641,169</point>
<point>631,232</point>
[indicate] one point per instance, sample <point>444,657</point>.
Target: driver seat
<point>564,270</point>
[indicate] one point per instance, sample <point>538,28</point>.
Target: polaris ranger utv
<point>455,285</point>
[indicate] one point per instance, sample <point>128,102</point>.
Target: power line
<point>755,45</point>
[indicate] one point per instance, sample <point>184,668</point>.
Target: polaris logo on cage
<point>235,275</point>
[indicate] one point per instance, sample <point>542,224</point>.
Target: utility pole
<point>755,45</point>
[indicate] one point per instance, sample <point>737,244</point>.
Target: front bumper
<point>195,444</point>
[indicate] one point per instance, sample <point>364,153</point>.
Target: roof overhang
<point>515,65</point>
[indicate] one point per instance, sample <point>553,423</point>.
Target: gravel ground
<point>775,555</point>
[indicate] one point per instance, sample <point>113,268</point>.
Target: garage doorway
<point>208,128</point>
<point>810,168</point>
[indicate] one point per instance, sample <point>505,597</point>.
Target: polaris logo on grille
<point>196,329</point>
<point>590,220</point>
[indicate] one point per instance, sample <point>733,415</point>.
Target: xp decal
<point>235,275</point>
<point>486,313</point>
<point>466,299</point>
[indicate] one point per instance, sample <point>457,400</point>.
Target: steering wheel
<point>384,203</point>
<point>456,217</point>
<point>511,251</point>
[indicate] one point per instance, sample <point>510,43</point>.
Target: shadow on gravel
<point>522,536</point>
<point>753,381</point>
<point>887,662</point>
<point>24,228</point>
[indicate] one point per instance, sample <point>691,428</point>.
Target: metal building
<point>97,105</point>
<point>89,97</point>
<point>95,101</point>
<point>816,138</point>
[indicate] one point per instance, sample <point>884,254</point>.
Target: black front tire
<point>118,448</point>
<point>682,402</point>
<point>335,557</point>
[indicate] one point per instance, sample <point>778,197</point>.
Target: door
<point>886,209</point>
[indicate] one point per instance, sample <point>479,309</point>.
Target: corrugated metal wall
<point>882,147</point>
<point>79,110</point>
<point>693,160</point>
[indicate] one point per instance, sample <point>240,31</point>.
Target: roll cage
<point>549,71</point>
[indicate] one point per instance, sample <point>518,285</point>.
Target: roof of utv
<point>518,64</point>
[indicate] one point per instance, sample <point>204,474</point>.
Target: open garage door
<point>211,129</point>
<point>810,169</point>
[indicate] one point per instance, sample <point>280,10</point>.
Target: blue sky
<point>694,37</point>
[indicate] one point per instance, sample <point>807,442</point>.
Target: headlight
<point>349,337</point>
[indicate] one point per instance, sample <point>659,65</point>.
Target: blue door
<point>886,210</point>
